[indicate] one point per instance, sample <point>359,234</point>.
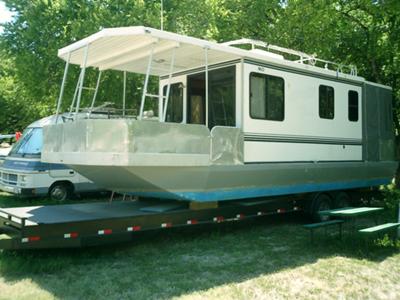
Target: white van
<point>23,173</point>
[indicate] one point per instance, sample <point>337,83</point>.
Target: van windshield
<point>30,144</point>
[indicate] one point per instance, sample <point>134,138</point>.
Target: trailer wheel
<point>342,199</point>
<point>321,202</point>
<point>59,191</point>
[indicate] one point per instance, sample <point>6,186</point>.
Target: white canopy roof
<point>128,49</point>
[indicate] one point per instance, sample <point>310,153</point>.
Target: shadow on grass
<point>174,262</point>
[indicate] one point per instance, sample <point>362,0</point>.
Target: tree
<point>16,109</point>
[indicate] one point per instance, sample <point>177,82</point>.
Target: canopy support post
<point>146,81</point>
<point>171,69</point>
<point>206,73</point>
<point>75,93</point>
<point>160,103</point>
<point>124,95</point>
<point>78,102</point>
<point>62,86</point>
<point>95,94</point>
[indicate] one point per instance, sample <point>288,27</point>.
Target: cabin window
<point>196,102</point>
<point>221,97</point>
<point>175,103</point>
<point>326,102</point>
<point>353,106</point>
<point>267,97</point>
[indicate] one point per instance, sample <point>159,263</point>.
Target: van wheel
<point>59,192</point>
<point>321,202</point>
<point>342,199</point>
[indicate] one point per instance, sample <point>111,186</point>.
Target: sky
<point>5,15</point>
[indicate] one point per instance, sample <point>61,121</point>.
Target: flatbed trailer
<point>90,224</point>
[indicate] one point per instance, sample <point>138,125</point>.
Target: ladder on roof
<point>95,90</point>
<point>163,98</point>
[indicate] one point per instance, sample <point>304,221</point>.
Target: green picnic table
<point>351,213</point>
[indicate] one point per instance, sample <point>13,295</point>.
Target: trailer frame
<point>91,224</point>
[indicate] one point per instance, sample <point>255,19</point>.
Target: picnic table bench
<point>324,224</point>
<point>380,228</point>
<point>351,214</point>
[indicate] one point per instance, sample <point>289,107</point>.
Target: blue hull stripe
<point>241,193</point>
<point>29,165</point>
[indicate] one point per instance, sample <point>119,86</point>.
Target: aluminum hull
<point>217,183</point>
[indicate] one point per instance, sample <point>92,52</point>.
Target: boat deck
<point>55,214</point>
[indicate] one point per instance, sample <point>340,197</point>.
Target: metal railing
<point>302,57</point>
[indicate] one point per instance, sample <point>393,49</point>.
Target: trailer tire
<point>320,202</point>
<point>342,199</point>
<point>60,191</point>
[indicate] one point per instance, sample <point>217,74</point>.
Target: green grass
<point>268,258</point>
<point>9,200</point>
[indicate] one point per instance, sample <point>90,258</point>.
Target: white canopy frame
<point>75,93</point>
<point>146,82</point>
<point>165,106</point>
<point>83,70</point>
<point>124,95</point>
<point>206,75</point>
<point>95,94</point>
<point>76,100</point>
<point>62,87</point>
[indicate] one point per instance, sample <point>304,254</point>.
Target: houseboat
<point>236,120</point>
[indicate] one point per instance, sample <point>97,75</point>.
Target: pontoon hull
<point>217,183</point>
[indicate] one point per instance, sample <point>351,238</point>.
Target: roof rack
<point>302,57</point>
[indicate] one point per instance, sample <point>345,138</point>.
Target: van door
<point>60,171</point>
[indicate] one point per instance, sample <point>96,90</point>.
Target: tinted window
<point>326,102</point>
<point>353,106</point>
<point>196,95</point>
<point>175,103</point>
<point>267,97</point>
<point>387,115</point>
<point>221,97</point>
<point>30,143</point>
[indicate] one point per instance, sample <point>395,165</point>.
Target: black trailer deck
<point>87,224</point>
